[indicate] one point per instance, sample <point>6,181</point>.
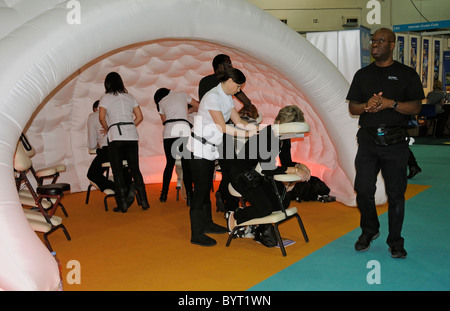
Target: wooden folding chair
<point>44,219</point>
<point>277,217</point>
<point>283,131</point>
<point>44,173</point>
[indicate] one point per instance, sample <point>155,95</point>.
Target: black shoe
<point>163,197</point>
<point>397,252</point>
<point>364,241</point>
<point>215,228</point>
<point>414,170</point>
<point>120,209</point>
<point>203,240</point>
<point>142,197</point>
<point>121,196</point>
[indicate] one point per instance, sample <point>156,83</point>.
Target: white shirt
<point>95,138</point>
<point>174,106</point>
<point>204,126</point>
<point>119,108</point>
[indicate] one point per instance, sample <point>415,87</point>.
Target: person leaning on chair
<point>384,94</point>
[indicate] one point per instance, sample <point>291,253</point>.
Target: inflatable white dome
<point>55,55</point>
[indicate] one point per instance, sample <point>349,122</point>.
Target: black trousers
<point>263,201</point>
<point>411,159</point>
<point>120,150</point>
<point>96,171</point>
<point>172,147</point>
<point>200,210</point>
<point>392,162</point>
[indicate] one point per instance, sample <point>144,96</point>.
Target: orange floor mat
<point>151,251</point>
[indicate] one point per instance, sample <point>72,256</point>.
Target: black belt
<point>176,120</point>
<point>202,139</point>
<point>386,136</point>
<point>118,124</point>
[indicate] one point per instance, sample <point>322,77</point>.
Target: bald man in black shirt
<point>384,94</point>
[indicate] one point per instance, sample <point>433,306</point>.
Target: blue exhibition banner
<point>421,26</point>
<point>401,49</point>
<point>446,69</point>
<point>413,54</point>
<point>437,59</point>
<point>425,57</point>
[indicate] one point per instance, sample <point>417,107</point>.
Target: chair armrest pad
<point>46,172</point>
<point>287,177</point>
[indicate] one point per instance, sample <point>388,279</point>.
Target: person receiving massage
<point>253,187</point>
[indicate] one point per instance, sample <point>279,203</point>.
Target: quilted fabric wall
<point>59,127</point>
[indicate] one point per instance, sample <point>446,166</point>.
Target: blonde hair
<point>289,114</point>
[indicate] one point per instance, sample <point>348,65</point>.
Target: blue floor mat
<point>338,267</point>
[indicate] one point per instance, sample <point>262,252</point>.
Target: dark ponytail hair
<point>159,95</point>
<point>114,84</point>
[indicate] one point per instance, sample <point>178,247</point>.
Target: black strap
<point>176,120</point>
<point>25,142</point>
<point>118,124</point>
<point>202,139</point>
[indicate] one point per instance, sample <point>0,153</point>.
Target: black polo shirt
<point>397,82</point>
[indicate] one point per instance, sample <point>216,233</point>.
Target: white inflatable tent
<point>53,70</point>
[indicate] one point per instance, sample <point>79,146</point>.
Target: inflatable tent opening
<point>53,71</point>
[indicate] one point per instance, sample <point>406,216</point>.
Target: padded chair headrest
<point>291,128</point>
<point>28,148</point>
<point>22,161</point>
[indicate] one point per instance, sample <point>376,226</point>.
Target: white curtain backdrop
<point>343,48</point>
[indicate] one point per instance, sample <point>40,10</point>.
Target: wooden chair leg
<point>105,201</point>
<point>280,240</point>
<point>88,193</point>
<point>63,210</point>
<point>46,234</point>
<point>302,227</point>
<point>231,235</point>
<point>66,233</point>
<point>47,243</point>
